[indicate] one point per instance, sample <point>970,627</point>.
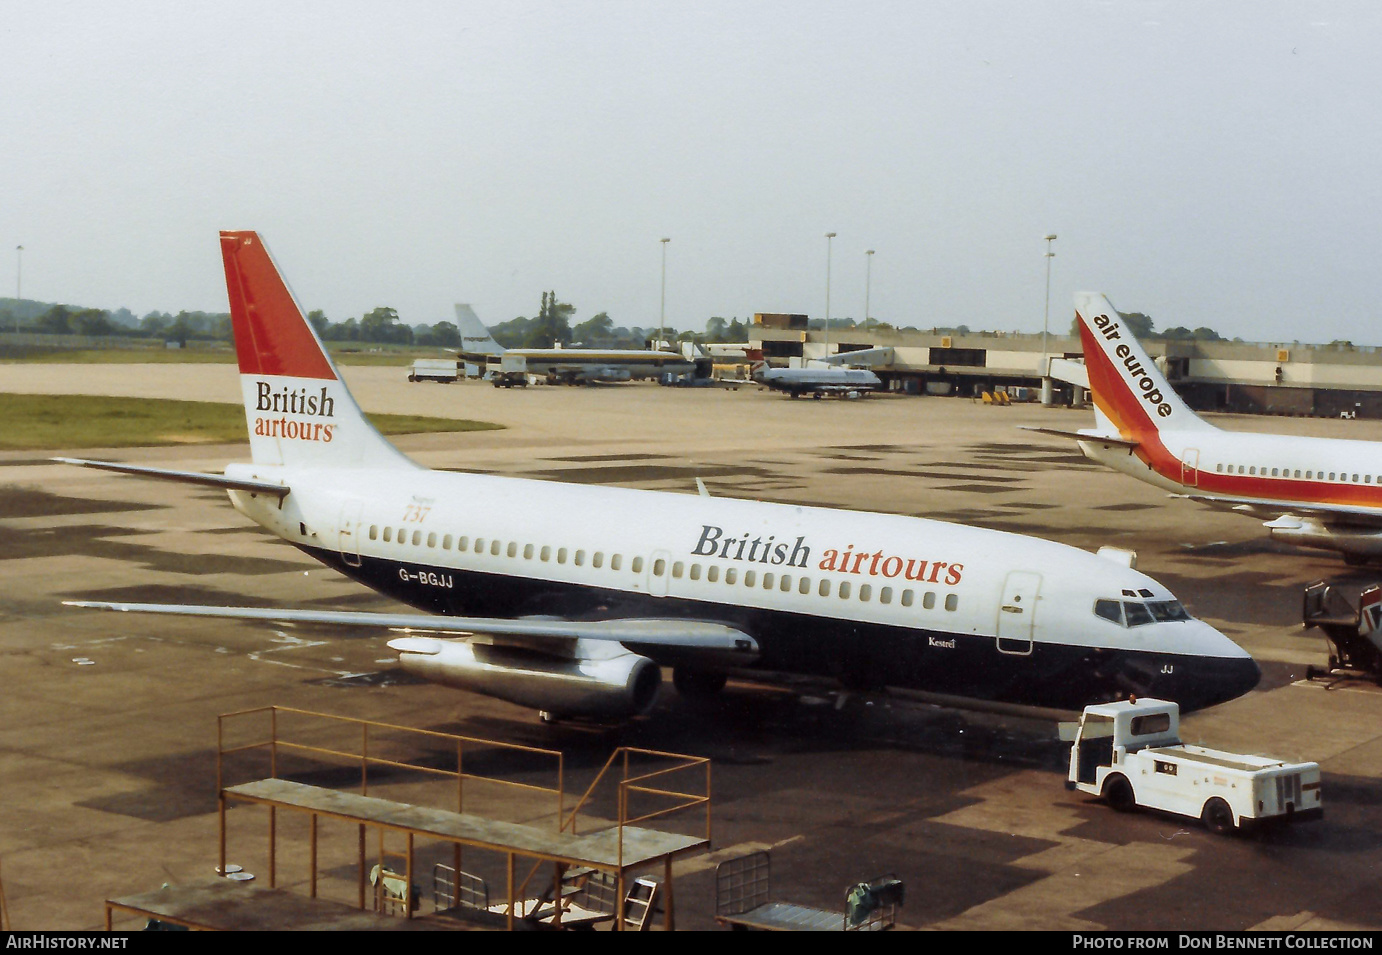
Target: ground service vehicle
<point>444,370</point>
<point>1353,627</point>
<point>1130,753</point>
<point>744,902</point>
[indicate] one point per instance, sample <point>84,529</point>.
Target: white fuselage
<point>958,596</point>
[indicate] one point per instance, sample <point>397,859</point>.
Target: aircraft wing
<point>1085,436</point>
<point>691,635</point>
<point>187,477</point>
<point>1265,507</point>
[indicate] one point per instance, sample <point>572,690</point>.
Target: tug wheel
<point>1119,795</point>
<point>1217,816</point>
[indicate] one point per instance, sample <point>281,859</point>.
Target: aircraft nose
<point>1221,680</point>
<point>1225,673</point>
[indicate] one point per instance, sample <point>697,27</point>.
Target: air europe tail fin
<point>1131,396</point>
<point>298,409</point>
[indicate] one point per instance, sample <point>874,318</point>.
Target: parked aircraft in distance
<point>571,598</point>
<point>566,366</point>
<point>1320,492</point>
<point>817,381</point>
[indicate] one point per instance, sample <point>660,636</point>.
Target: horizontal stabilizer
<point>1085,436</point>
<point>186,477</point>
<point>1069,370</point>
<point>690,634</point>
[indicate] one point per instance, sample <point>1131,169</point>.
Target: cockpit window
<point>1163,610</point>
<point>1136,613</point>
<point>1109,610</point>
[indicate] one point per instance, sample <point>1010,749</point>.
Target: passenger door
<point>1190,467</point>
<point>1017,612</point>
<point>349,543</point>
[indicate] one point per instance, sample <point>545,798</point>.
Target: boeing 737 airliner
<point>569,366</point>
<point>1320,492</point>
<point>818,381</point>
<point>570,599</point>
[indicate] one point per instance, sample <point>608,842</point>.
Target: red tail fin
<point>298,410</point>
<point>1130,393</point>
<point>272,337</point>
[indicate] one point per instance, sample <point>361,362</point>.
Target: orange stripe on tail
<point>1111,395</point>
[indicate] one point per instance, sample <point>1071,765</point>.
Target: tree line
<point>551,325</point>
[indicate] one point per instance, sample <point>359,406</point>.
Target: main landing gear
<point>698,684</point>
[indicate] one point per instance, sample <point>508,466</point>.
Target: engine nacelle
<point>1307,532</point>
<point>608,374</point>
<point>603,682</point>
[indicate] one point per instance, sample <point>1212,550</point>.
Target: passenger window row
<point>1295,473</point>
<point>712,573</point>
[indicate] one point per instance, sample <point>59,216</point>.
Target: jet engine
<point>599,680</point>
<point>607,373</point>
<point>1356,543</point>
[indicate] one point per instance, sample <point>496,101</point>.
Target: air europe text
<point>1143,382</point>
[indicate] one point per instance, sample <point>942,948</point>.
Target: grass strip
<point>399,357</point>
<point>69,422</point>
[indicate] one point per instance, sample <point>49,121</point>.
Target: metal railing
<point>284,736</point>
<point>630,787</point>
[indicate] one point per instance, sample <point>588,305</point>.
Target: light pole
<point>868,278</point>
<point>828,237</point>
<point>1046,396</point>
<point>1046,320</point>
<point>18,282</point>
<point>662,315</point>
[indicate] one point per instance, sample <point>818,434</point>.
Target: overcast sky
<point>1207,163</point>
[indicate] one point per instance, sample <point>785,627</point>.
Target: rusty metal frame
<point>627,787</point>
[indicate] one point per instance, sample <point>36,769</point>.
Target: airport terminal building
<point>1241,377</point>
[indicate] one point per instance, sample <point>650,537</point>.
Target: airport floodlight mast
<point>828,237</point>
<point>868,279</point>
<point>1046,320</point>
<point>18,282</point>
<point>662,315</point>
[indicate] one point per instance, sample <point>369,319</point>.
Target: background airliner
<point>570,366</point>
<point>570,599</point>
<point>1320,492</point>
<point>818,381</point>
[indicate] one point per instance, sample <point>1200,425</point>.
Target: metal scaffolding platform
<point>609,858</point>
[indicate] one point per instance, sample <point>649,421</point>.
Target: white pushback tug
<point>1130,754</point>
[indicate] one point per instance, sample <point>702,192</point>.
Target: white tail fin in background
<point>1131,396</point>
<point>475,337</point>
<point>298,409</point>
